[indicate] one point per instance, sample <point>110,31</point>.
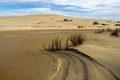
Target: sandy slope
<point>22,58</point>
<point>74,65</point>
<point>50,21</point>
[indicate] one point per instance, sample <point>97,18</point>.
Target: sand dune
<point>50,21</point>
<point>22,56</point>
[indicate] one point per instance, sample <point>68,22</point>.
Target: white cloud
<point>103,9</point>
<point>29,11</point>
<point>77,9</point>
<point>86,4</point>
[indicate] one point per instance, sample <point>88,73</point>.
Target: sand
<point>22,56</point>
<point>50,21</point>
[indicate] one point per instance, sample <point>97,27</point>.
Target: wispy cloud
<point>78,9</point>
<point>100,9</point>
<point>29,11</point>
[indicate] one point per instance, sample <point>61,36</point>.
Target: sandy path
<point>75,65</point>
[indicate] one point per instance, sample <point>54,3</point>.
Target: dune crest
<point>50,21</point>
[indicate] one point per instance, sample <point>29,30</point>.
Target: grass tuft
<point>57,43</point>
<point>76,39</point>
<point>115,32</point>
<point>54,45</point>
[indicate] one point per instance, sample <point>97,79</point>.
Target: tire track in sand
<point>79,65</point>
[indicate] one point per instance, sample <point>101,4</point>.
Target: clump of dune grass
<point>103,30</point>
<point>80,26</point>
<point>108,30</point>
<point>100,31</point>
<point>57,43</point>
<point>76,39</point>
<point>80,39</point>
<point>115,32</point>
<point>95,23</point>
<point>54,45</point>
<point>117,29</point>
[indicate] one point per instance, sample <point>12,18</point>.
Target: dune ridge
<point>51,21</point>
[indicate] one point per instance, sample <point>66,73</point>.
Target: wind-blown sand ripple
<point>75,65</point>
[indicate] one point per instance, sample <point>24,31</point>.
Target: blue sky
<point>97,9</point>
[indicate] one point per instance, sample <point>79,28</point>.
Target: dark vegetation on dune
<point>95,23</point>
<point>70,41</point>
<point>80,26</point>
<point>117,24</point>
<point>66,20</point>
<point>113,32</point>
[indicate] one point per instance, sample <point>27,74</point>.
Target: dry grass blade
<point>67,40</point>
<point>80,39</point>
<point>60,45</point>
<point>57,44</point>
